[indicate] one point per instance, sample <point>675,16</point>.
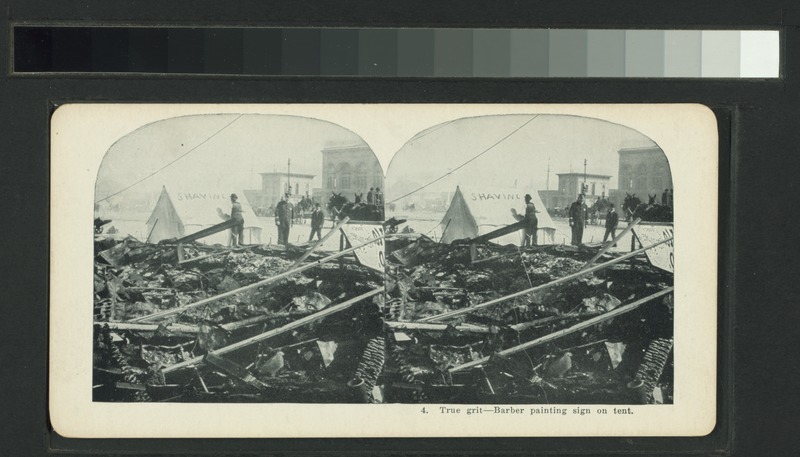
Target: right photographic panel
<point>530,260</point>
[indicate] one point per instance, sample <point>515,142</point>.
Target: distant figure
<point>531,222</point>
<point>317,219</point>
<point>612,221</point>
<point>371,196</point>
<point>379,202</point>
<point>283,219</point>
<point>665,197</point>
<point>670,201</point>
<point>577,220</point>
<point>237,231</point>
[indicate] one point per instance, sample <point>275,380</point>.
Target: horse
<point>650,212</point>
<point>340,207</point>
<point>647,212</point>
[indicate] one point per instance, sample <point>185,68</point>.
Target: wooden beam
<point>548,285</point>
<point>188,328</point>
<point>311,250</point>
<point>234,369</point>
<point>611,243</point>
<point>547,320</point>
<point>263,282</point>
<point>275,332</point>
<point>183,260</point>
<point>499,232</point>
<point>174,327</point>
<point>208,231</point>
<point>319,243</point>
<point>569,330</point>
<point>230,326</point>
<point>466,328</point>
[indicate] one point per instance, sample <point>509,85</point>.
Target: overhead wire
<point>428,132</point>
<point>173,161</point>
<point>467,162</point>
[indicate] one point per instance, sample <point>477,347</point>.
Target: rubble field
<point>217,328</point>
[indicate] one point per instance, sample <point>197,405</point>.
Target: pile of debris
<point>230,325</point>
<point>485,323</point>
<point>458,323</point>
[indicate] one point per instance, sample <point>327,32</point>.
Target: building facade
<point>572,184</point>
<point>643,171</point>
<point>275,184</point>
<point>349,169</point>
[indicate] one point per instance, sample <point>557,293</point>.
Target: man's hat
<point>528,196</point>
<point>234,196</point>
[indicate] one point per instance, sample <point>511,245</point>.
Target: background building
<point>643,171</point>
<point>570,185</point>
<point>351,169</point>
<point>277,183</point>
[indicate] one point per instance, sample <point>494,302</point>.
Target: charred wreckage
<point>466,322</point>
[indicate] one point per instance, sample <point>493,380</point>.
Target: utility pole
<point>585,188</point>
<point>289,178</point>
<point>548,173</point>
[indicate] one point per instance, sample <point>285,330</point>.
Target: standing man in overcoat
<point>283,219</point>
<point>317,219</point>
<point>577,220</point>
<point>612,221</point>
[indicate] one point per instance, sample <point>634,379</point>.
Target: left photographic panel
<point>236,258</point>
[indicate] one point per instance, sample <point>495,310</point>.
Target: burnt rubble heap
<point>433,336</point>
<point>264,344</point>
<point>439,327</point>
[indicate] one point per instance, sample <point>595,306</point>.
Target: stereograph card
<point>383,270</point>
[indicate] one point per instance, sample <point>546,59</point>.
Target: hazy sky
<point>224,159</point>
<point>522,157</point>
<point>226,152</point>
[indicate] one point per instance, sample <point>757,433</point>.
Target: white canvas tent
<point>177,214</point>
<point>480,210</point>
